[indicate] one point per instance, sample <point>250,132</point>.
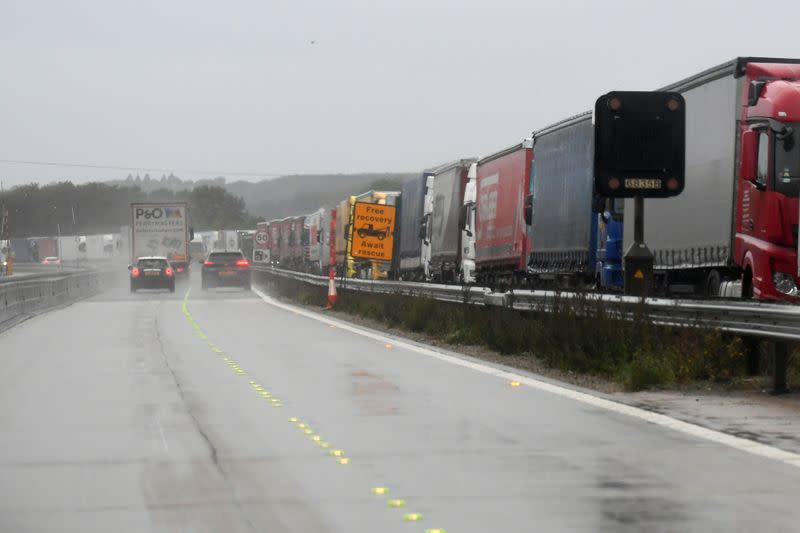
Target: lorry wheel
<point>747,284</point>
<point>712,283</point>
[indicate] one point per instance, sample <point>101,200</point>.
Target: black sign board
<point>640,144</point>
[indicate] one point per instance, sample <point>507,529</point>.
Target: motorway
<point>222,412</point>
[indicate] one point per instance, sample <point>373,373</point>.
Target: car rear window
<point>225,257</point>
<point>152,263</point>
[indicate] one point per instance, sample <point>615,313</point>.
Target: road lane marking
<point>687,428</point>
<point>337,454</point>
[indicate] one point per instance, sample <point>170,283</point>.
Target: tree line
<point>41,211</point>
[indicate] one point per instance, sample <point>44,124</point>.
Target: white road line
<point>738,443</point>
<point>161,431</point>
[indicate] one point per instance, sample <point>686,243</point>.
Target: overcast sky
<point>318,86</point>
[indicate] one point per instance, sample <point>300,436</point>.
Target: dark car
<point>226,269</point>
<point>152,273</point>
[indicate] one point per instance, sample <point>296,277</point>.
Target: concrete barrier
<point>26,297</point>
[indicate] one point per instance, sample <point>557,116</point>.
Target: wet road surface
<point>216,411</point>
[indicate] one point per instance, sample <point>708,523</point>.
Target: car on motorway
<point>152,273</point>
<point>226,269</point>
<point>51,261</point>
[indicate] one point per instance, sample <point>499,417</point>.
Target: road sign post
<point>638,260</point>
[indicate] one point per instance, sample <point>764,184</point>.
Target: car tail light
<point>135,272</point>
<point>179,269</point>
<point>242,263</point>
<point>209,263</point>
<point>169,272</point>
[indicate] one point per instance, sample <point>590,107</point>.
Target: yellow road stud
<point>380,491</point>
<point>515,383</point>
<point>388,345</point>
<point>436,530</point>
<point>412,517</point>
<point>316,438</point>
<point>294,419</point>
<point>324,444</point>
<point>396,503</point>
<point>308,431</point>
<point>337,453</point>
<point>344,460</point>
<point>301,425</point>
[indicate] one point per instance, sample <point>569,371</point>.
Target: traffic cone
<point>331,289</point>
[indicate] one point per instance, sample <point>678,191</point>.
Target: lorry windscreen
<point>787,163</point>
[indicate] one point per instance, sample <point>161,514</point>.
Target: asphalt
<point>216,412</point>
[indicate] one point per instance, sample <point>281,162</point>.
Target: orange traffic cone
<point>331,289</point>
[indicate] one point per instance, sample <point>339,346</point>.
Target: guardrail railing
<point>26,295</point>
<point>754,320</point>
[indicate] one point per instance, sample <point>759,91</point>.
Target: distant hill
<point>284,196</point>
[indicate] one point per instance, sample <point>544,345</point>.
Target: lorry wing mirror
<point>747,162</point>
<point>529,209</point>
<point>754,91</point>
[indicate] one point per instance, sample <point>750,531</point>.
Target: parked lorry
<point>318,224</point>
<point>285,242</point>
<point>449,183</point>
<point>733,230</point>
<point>563,225</point>
<point>501,235</point>
<point>345,266</point>
<point>274,228</point>
<point>161,229</point>
<point>412,238</point>
<point>467,224</point>
<point>298,241</point>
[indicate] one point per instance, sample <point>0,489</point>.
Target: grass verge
<point>574,336</point>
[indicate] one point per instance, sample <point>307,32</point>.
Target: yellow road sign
<point>373,231</point>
